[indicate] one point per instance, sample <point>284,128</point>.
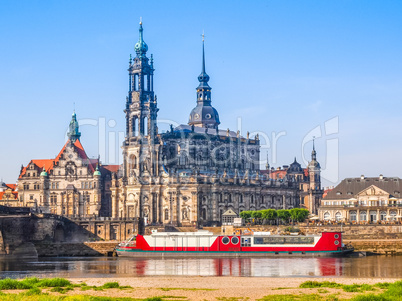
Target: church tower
<point>204,115</point>
<point>141,113</point>
<point>314,170</point>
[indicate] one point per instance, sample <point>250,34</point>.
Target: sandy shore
<point>211,288</point>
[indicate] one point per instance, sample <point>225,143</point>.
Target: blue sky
<point>284,68</point>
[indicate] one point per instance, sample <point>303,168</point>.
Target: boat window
<point>235,240</point>
<point>225,240</point>
<point>275,240</point>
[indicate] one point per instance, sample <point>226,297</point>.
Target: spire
<point>313,152</point>
<point>267,164</point>
<point>203,78</point>
<point>141,47</point>
<point>314,163</point>
<point>204,115</point>
<point>74,133</point>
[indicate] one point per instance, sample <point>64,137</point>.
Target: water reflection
<point>375,266</point>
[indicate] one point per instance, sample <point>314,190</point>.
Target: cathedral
<point>195,172</point>
<point>189,176</point>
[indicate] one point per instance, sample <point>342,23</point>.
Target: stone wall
<point>46,249</point>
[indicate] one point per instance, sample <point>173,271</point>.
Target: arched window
<point>166,214</point>
<point>383,215</point>
<point>338,216</point>
<point>183,159</point>
<point>135,126</point>
<point>392,215</point>
<point>363,215</point>
<point>199,159</point>
<point>252,199</point>
<point>353,216</point>
<point>204,214</point>
<point>136,82</point>
<point>145,86</point>
<point>145,126</point>
<point>327,216</point>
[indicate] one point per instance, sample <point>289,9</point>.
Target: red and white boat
<point>207,244</point>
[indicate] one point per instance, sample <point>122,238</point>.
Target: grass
<point>302,297</point>
<point>350,288</point>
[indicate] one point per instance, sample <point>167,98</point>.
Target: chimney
<point>381,177</point>
<point>362,177</point>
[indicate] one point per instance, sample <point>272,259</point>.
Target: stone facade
<point>195,172</point>
<point>71,185</point>
<point>364,200</point>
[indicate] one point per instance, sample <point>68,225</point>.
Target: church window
<point>145,125</point>
<point>145,82</point>
<point>136,82</point>
<point>327,216</point>
<point>240,198</point>
<point>166,214</point>
<point>183,159</point>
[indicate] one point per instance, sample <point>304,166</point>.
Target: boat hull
<point>220,254</point>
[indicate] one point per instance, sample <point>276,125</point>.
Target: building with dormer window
<point>364,200</point>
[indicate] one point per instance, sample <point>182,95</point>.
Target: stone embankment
<point>377,239</point>
<point>99,248</point>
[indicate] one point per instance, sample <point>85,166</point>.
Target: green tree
<point>298,214</point>
<point>269,214</point>
<point>246,215</point>
<point>256,215</point>
<point>284,215</point>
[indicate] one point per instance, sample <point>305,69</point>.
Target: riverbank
<point>219,288</point>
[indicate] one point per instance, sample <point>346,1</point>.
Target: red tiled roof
<point>111,168</point>
<point>12,186</point>
<point>50,163</point>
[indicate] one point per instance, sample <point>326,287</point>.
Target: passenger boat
<point>207,244</point>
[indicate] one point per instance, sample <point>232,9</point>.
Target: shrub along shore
<point>200,288</point>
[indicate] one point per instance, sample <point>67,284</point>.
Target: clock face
<point>196,116</point>
<point>208,116</point>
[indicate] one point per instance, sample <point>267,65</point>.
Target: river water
<point>72,267</point>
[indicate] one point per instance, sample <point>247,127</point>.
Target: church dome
<point>141,47</point>
<point>97,172</point>
<point>206,116</point>
<point>43,173</point>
